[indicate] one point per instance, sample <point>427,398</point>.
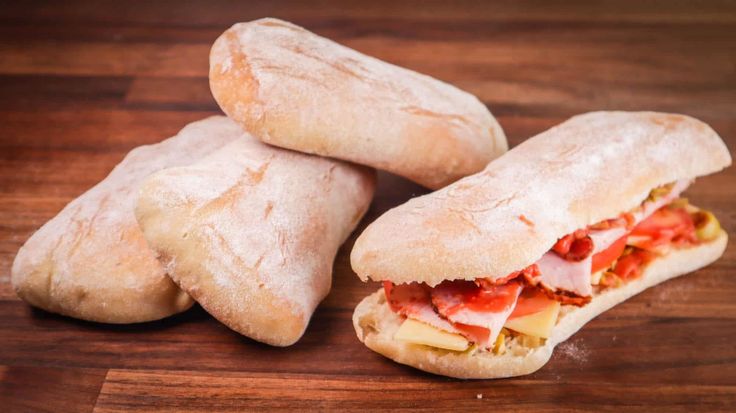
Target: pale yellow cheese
<point>413,331</point>
<point>537,324</point>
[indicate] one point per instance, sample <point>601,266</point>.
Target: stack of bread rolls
<point>244,214</point>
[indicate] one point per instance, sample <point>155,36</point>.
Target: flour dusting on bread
<point>91,261</point>
<point>254,230</point>
<point>591,167</point>
<point>294,89</point>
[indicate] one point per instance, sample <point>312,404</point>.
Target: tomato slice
<point>666,225</point>
<point>531,300</point>
<point>630,266</point>
<point>605,258</point>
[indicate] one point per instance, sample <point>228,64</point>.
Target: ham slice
<point>574,276</point>
<point>560,274</point>
<point>414,301</point>
<point>463,302</point>
<point>602,239</point>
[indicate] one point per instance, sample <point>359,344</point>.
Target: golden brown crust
<point>294,89</point>
<point>589,168</point>
<point>251,232</point>
<point>91,261</point>
<point>375,324</point>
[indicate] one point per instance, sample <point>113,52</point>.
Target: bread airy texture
<point>251,232</point>
<point>294,89</point>
<point>91,260</point>
<point>590,168</point>
<point>375,323</point>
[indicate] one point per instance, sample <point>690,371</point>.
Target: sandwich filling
<point>525,304</point>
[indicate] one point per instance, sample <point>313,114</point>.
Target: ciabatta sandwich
<point>483,278</point>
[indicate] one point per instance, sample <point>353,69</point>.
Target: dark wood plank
<point>85,130</point>
<point>83,82</point>
<point>42,389</point>
<point>185,391</point>
<point>223,12</point>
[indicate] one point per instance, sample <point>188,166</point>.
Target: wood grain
<point>43,389</point>
<point>187,391</point>
<point>81,83</point>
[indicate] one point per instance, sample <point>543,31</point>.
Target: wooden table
<point>81,84</point>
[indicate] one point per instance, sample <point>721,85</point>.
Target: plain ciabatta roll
<point>585,171</point>
<point>91,262</point>
<point>294,89</point>
<point>251,232</point>
<point>590,168</point>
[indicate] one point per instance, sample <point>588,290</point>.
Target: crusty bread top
<point>292,88</point>
<point>91,262</point>
<point>592,167</point>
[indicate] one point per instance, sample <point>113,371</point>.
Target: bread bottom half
<point>375,323</point>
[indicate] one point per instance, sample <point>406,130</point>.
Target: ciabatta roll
<point>251,232</point>
<point>294,89</point>
<point>91,260</point>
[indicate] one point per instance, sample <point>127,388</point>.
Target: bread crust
<point>375,323</point>
<point>251,232</point>
<point>294,89</point>
<point>590,168</point>
<point>91,262</point>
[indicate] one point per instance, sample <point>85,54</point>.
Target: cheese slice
<point>416,332</point>
<point>537,324</point>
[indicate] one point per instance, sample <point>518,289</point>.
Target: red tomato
<point>531,300</point>
<point>666,225</point>
<point>605,258</point>
<point>630,266</point>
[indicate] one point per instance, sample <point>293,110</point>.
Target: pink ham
<point>463,302</point>
<point>602,239</point>
<point>574,276</point>
<point>413,301</point>
<point>560,274</point>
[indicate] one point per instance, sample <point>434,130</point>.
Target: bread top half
<point>294,89</point>
<point>592,167</point>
